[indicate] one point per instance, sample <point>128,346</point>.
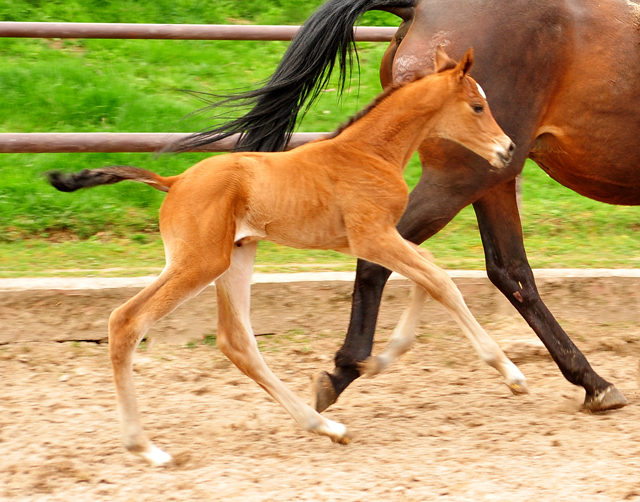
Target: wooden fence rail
<point>94,142</point>
<point>146,142</point>
<point>174,31</point>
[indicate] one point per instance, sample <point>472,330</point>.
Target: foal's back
<point>297,198</point>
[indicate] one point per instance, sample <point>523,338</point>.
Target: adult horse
<point>563,80</point>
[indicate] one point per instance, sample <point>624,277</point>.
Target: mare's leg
<point>508,268</point>
<point>393,252</point>
<point>185,278</point>
<point>237,342</point>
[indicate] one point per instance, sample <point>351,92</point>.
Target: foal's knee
<point>124,333</point>
<point>442,288</point>
<point>228,346</point>
<point>223,343</point>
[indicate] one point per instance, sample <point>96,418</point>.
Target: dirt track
<point>439,425</point>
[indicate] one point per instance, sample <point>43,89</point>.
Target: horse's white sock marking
<point>155,456</point>
<point>336,431</point>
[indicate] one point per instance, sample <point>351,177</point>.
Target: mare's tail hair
<point>87,178</point>
<point>303,72</point>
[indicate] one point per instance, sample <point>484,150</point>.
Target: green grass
<point>129,86</point>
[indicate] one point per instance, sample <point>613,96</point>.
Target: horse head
<point>465,116</point>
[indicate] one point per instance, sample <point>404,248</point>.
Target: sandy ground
<point>438,425</point>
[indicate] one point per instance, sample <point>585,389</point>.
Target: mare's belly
<point>589,138</point>
<point>594,163</point>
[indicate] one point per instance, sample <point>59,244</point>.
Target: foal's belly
<point>310,229</point>
<point>334,243</point>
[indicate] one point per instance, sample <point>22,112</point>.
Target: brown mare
<point>346,193</point>
<point>563,79</point>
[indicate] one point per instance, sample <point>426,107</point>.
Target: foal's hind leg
<point>237,342</point>
<point>404,333</point>
<point>401,338</point>
<point>127,326</point>
<point>392,251</point>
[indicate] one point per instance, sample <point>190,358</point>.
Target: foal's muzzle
<point>503,153</point>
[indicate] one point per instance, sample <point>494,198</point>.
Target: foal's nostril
<point>512,148</point>
<point>506,158</point>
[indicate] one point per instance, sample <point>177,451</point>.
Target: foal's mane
<point>388,91</point>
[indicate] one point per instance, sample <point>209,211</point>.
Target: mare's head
<point>464,116</point>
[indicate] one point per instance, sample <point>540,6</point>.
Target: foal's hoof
<point>155,456</point>
<point>608,399</point>
<point>346,439</point>
<point>519,388</point>
<point>323,394</point>
<point>337,432</point>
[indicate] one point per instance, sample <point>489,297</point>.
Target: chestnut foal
<point>345,193</point>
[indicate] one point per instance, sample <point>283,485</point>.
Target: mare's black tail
<point>304,71</point>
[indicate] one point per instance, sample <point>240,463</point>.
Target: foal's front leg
<point>237,342</point>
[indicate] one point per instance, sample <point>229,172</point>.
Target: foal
<point>345,193</point>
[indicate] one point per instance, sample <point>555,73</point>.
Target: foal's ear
<point>442,61</point>
<point>465,63</point>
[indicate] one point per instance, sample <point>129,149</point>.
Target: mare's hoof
<point>608,399</point>
<point>323,394</point>
<point>370,366</point>
<point>519,388</point>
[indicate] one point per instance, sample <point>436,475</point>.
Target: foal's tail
<point>87,178</point>
<point>303,72</point>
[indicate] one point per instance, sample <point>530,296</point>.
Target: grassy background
<point>129,85</point>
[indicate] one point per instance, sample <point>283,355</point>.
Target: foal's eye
<point>478,109</point>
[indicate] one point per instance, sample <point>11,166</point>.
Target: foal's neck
<point>394,129</point>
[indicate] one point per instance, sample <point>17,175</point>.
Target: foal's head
<point>465,116</point>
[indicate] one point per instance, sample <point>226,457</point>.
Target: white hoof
<point>337,432</point>
<point>155,456</point>
<point>517,381</point>
<point>519,388</point>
